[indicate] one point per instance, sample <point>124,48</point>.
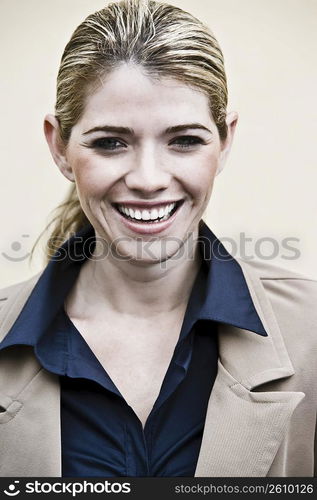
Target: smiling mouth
<point>148,216</point>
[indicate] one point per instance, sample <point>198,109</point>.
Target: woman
<point>144,348</point>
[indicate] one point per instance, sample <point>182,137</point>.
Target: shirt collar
<point>220,292</point>
<point>226,297</point>
<point>50,291</point>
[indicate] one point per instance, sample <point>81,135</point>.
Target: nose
<point>148,173</point>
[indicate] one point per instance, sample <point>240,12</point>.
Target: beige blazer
<point>261,415</point>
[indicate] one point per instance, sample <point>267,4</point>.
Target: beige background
<point>268,188</point>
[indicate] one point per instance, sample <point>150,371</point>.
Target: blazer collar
<point>255,360</point>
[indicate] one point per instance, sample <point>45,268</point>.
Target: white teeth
<point>146,215</point>
<point>137,214</point>
<point>154,214</point>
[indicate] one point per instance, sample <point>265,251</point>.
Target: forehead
<point>129,96</point>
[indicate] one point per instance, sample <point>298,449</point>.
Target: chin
<point>144,253</point>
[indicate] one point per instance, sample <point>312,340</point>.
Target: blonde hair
<point>162,39</point>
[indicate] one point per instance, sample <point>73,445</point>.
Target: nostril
<point>146,180</point>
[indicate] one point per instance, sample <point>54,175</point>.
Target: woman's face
<point>144,156</point>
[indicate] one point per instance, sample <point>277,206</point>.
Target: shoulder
<point>281,281</point>
<point>12,300</point>
<point>267,270</point>
<point>292,297</point>
<point>9,292</point>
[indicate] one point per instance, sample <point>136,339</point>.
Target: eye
<point>187,141</point>
<point>108,144</point>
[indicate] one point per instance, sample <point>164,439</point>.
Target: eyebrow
<point>130,131</point>
<point>180,128</point>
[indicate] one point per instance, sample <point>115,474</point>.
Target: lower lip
<point>147,227</point>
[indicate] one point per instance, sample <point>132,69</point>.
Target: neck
<point>127,288</point>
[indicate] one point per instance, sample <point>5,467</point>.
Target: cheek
<point>91,176</point>
<point>198,177</point>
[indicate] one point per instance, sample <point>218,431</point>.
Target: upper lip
<point>146,204</point>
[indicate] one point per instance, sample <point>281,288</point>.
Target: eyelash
<point>184,142</point>
<point>191,140</point>
<point>104,142</point>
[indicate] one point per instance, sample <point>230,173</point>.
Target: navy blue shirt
<point>101,434</point>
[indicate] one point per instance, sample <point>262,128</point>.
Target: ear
<point>57,146</point>
<point>231,121</point>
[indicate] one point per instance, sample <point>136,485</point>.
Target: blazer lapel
<point>30,433</point>
<point>29,401</point>
<point>243,428</point>
<point>12,302</point>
